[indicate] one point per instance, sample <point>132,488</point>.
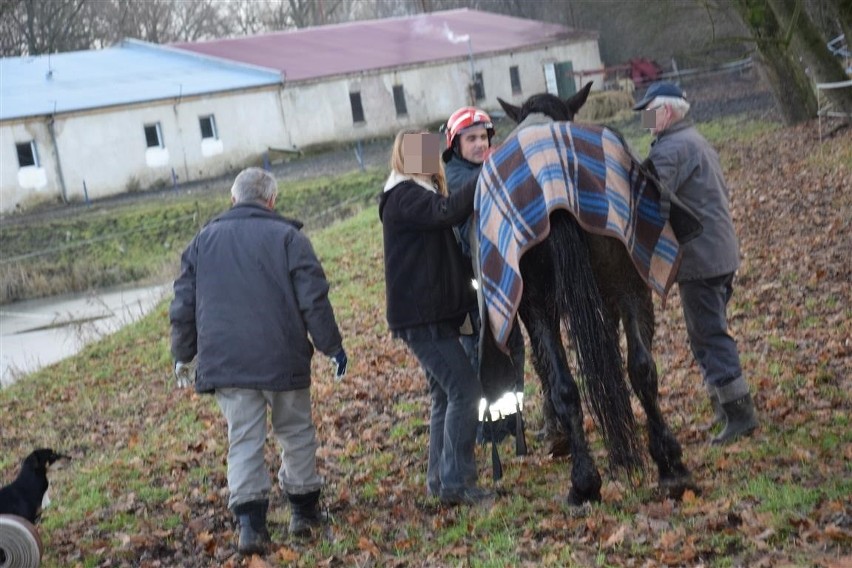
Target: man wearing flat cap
<point>687,164</point>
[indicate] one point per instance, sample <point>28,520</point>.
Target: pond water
<point>36,333</point>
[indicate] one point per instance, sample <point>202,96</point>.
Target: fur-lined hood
<point>396,178</point>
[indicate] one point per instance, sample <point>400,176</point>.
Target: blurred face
<point>473,143</point>
<point>421,153</point>
<point>657,118</point>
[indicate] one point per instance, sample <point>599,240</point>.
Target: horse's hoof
<point>675,487</point>
<point>579,499</point>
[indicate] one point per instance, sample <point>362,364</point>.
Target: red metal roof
<point>324,51</point>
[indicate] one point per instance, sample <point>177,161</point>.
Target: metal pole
<point>472,72</point>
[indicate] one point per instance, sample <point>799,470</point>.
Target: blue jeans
<point>455,393</point>
<point>704,304</point>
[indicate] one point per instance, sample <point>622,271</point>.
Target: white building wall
<point>320,112</point>
<point>107,149</point>
<point>30,184</point>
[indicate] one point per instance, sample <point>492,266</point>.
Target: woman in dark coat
<point>429,295</point>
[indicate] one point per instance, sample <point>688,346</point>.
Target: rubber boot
<point>741,420</point>
<point>304,513</point>
<point>251,516</point>
<point>718,412</point>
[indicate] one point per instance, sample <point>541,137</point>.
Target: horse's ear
<point>512,111</point>
<point>579,99</point>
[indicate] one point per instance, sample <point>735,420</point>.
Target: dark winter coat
<point>250,291</point>
<point>461,173</point>
<point>689,167</point>
<point>427,279</point>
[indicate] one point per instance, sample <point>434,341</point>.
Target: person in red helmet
<point>469,133</point>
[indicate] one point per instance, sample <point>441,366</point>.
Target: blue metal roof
<point>131,72</point>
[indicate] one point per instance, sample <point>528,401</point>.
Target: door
<point>559,79</point>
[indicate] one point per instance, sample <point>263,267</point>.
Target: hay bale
<point>603,105</point>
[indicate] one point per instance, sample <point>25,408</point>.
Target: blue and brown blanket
<point>584,169</point>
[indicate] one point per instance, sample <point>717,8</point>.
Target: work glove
<point>184,374</point>
<point>339,362</point>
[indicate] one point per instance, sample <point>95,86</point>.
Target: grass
<point>107,245</point>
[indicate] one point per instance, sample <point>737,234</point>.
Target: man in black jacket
<point>469,131</point>
<point>250,293</point>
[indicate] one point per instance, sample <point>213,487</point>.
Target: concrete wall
<point>107,148</point>
<point>320,112</point>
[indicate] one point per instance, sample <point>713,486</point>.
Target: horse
<point>588,282</point>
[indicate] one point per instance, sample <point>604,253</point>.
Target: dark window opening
<point>399,100</point>
<point>478,87</point>
<point>27,155</point>
<point>153,136</point>
<point>515,77</point>
<point>357,109</point>
<point>208,127</point>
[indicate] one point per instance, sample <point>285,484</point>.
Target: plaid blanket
<point>584,169</point>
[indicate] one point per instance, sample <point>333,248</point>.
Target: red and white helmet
<point>466,117</point>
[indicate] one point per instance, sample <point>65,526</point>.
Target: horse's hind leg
<point>637,313</point>
<point>550,362</point>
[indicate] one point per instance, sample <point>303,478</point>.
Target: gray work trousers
<point>293,427</point>
<point>704,305</point>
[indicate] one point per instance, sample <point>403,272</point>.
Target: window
<point>399,100</point>
<point>153,136</point>
<point>27,155</point>
<point>478,87</point>
<point>515,78</point>
<point>357,109</point>
<point>208,127</point>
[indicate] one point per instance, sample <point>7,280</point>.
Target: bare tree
<point>789,43</point>
<point>807,40</point>
<point>32,27</point>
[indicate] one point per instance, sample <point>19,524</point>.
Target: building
<point>367,79</point>
<point>84,125</point>
<point>88,124</point>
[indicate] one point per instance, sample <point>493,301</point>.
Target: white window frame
<point>33,151</point>
<point>213,129</point>
<point>159,131</point>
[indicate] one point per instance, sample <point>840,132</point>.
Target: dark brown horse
<point>589,283</point>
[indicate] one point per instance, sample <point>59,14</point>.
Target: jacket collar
<point>246,210</point>
<point>396,178</point>
<point>681,124</point>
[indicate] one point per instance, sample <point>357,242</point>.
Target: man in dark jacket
<point>690,168</point>
<point>469,131</point>
<point>250,292</point>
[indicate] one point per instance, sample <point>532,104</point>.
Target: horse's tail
<point>595,338</point>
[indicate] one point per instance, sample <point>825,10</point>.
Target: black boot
<point>251,517</point>
<point>718,412</point>
<point>741,420</point>
<point>304,513</point>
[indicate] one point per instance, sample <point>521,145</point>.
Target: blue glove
<point>339,361</point>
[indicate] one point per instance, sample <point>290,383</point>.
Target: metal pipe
<point>52,132</point>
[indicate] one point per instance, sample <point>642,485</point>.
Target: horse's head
<point>548,104</point>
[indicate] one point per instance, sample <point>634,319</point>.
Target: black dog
<point>23,497</point>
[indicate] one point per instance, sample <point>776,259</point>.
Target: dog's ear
<point>43,457</point>
<point>56,457</point>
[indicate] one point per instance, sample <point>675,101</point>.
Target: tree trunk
<point>786,76</point>
<point>844,14</point>
<point>807,41</point>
